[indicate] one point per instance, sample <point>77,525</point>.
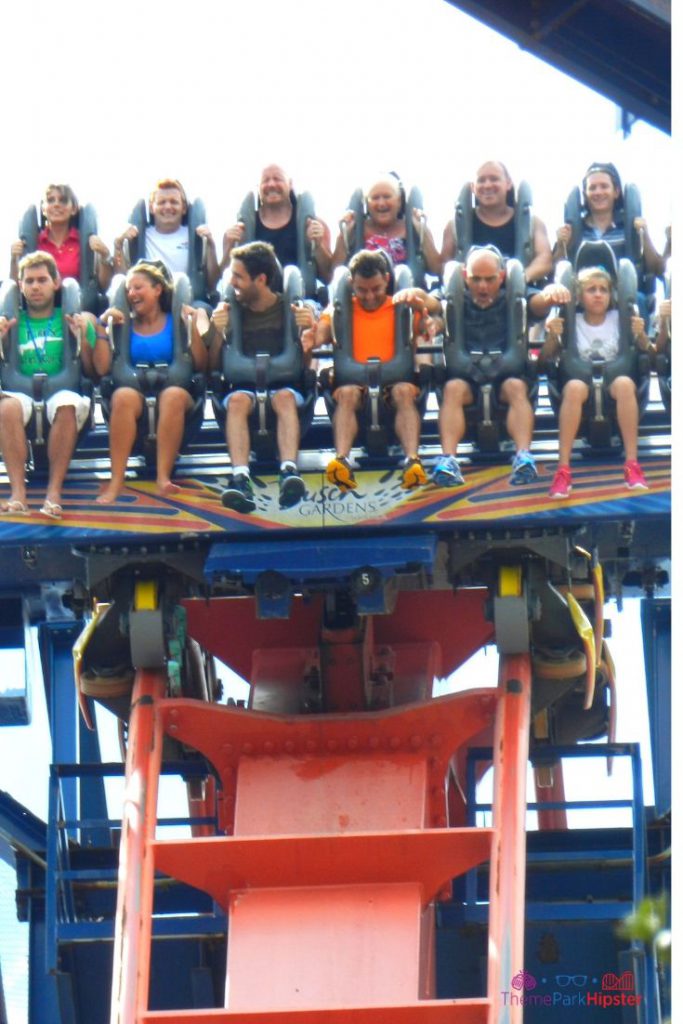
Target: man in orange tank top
<point>373,311</point>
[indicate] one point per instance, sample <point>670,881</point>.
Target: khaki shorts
<point>80,403</point>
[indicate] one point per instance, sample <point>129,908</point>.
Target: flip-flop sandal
<point>51,509</point>
<point>14,508</point>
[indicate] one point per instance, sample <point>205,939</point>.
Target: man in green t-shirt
<point>41,349</point>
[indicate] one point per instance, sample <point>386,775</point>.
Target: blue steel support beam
<point>72,741</point>
<point>56,640</point>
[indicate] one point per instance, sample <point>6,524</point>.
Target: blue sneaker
<point>447,472</point>
<point>239,496</point>
<point>523,468</point>
<point>292,487</point>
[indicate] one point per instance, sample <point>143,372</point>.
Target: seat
<point>485,419</point>
<point>40,387</point>
<point>355,239</point>
<point>265,372</point>
<point>304,210</point>
<point>376,417</point>
<point>150,380</point>
<point>627,207</point>
<point>520,198</point>
<point>85,221</point>
<point>194,217</point>
<point>599,426</point>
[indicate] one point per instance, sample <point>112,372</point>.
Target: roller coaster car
<point>265,372</point>
<point>599,425</point>
<point>376,416</point>
<point>626,209</point>
<point>150,380</point>
<point>355,238</point>
<point>304,210</point>
<point>487,369</point>
<point>40,387</point>
<point>520,199</point>
<point>194,217</point>
<point>85,222</point>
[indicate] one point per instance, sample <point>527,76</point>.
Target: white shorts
<point>80,403</point>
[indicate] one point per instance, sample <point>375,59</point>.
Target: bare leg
<point>60,448</point>
<point>623,391</point>
<point>284,404</point>
<point>14,447</point>
<point>345,423</point>
<point>126,409</point>
<point>456,395</point>
<point>174,404</point>
<point>237,427</point>
<point>520,417</point>
<point>574,394</point>
<point>407,422</point>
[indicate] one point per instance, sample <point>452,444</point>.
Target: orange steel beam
<point>508,859</point>
<point>130,980</point>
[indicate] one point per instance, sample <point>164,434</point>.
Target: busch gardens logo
<point>568,990</point>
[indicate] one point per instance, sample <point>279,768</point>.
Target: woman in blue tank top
<point>149,290</point>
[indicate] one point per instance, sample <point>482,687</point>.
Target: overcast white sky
<point>335,92</point>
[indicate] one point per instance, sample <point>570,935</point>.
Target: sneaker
<point>340,474</point>
<point>523,468</point>
<point>634,476</point>
<point>292,487</point>
<point>562,483</point>
<point>413,474</point>
<point>447,472</point>
<point>240,495</point>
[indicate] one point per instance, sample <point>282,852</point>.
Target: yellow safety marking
<point>146,595</point>
<point>510,581</point>
<point>585,631</point>
<point>78,650</point>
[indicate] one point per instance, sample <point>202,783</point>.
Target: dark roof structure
<point>620,48</point>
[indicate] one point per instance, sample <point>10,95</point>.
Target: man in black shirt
<point>276,224</point>
<point>256,278</point>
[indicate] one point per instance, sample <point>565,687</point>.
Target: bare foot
<point>167,487</point>
<point>108,496</point>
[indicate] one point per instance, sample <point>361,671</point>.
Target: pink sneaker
<point>562,483</point>
<point>634,477</point>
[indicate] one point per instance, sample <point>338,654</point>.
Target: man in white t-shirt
<point>167,239</point>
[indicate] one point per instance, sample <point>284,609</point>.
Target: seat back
<point>149,380</point>
<point>463,223</point>
<point>599,424</point>
<point>625,285</point>
<point>85,222</point>
<point>69,377</point>
<point>510,360</point>
<point>355,238</point>
<point>194,216</point>
<point>348,370</point>
<point>627,208</point>
<point>270,371</point>
<point>304,208</point>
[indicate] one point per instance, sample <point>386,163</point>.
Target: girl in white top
<point>597,335</point>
